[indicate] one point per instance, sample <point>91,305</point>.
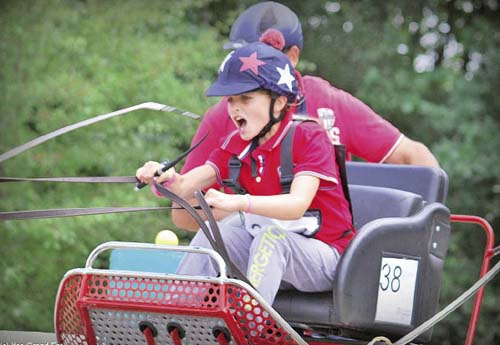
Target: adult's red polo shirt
<point>347,120</point>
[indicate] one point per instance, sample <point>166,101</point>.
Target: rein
<point>70,212</point>
<point>212,232</point>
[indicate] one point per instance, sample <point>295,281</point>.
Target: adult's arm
<point>371,137</point>
<point>412,152</point>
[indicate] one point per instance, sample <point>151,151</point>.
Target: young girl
<point>268,235</point>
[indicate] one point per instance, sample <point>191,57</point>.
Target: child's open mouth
<point>241,122</point>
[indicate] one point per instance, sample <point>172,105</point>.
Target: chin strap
<point>272,120</point>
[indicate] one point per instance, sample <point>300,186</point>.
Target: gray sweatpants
<point>272,258</point>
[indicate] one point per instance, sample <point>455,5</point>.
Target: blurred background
<point>431,67</point>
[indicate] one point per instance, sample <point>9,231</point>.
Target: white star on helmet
<point>285,76</point>
<point>223,64</point>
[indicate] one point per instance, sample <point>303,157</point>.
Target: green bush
<point>66,61</point>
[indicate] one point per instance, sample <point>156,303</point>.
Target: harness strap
<point>340,157</point>
<point>287,162</point>
<point>234,175</point>
<point>286,153</point>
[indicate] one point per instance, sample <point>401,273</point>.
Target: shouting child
<point>288,238</point>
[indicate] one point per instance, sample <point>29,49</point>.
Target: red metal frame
<point>84,297</point>
<point>488,254</point>
<point>226,301</point>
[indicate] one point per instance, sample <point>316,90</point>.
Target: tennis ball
<point>167,237</point>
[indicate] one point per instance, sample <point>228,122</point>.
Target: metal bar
<point>37,141</point>
<point>135,245</point>
<point>488,254</point>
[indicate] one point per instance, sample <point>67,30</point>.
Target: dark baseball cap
<point>256,19</point>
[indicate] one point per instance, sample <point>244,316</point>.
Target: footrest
<point>115,307</point>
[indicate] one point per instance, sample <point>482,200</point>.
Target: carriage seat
<point>402,240</point>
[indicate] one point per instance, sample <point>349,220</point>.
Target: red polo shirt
<point>313,155</point>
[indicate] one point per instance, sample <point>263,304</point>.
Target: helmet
<point>258,18</point>
<point>255,66</point>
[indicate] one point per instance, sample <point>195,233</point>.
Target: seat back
<point>389,277</point>
<point>370,203</point>
<point>430,183</point>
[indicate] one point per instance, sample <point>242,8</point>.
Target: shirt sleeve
<point>218,160</point>
<point>313,153</point>
<point>366,134</point>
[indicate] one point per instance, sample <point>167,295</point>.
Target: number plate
<point>396,290</point>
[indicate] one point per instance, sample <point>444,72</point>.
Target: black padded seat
<point>430,183</point>
<point>369,203</point>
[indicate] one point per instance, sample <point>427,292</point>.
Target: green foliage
<point>65,61</point>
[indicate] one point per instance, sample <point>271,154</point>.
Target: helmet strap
<point>272,120</point>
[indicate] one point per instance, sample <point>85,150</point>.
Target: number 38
<point>390,278</point>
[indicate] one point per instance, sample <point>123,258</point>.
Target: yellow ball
<point>167,237</point>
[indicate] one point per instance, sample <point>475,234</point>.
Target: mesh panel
<point>258,326</point>
<point>154,291</point>
<point>69,325</point>
<point>121,327</point>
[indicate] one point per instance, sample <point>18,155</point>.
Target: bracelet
<point>169,182</point>
<point>249,207</point>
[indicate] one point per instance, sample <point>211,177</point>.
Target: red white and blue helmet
<point>256,19</point>
<point>256,66</point>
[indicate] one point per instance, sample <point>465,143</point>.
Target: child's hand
<point>226,202</point>
<point>147,172</point>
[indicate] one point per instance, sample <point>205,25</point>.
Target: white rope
<point>450,307</point>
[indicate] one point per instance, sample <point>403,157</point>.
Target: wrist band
<point>249,207</point>
<point>169,182</point>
